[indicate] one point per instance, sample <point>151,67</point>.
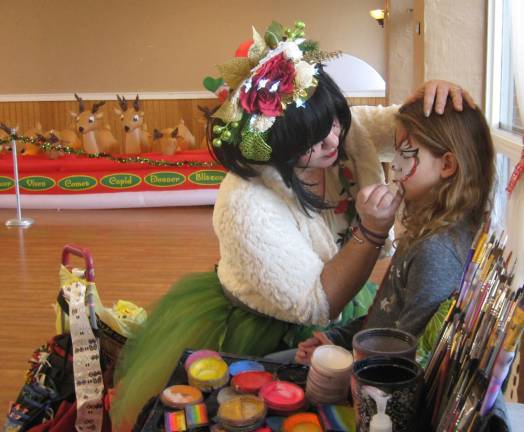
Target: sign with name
<point>121,181</point>
<point>77,183</point>
<point>37,183</point>
<point>6,183</point>
<point>165,179</point>
<point>207,177</point>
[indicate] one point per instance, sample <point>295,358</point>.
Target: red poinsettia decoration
<point>262,95</point>
<point>342,206</point>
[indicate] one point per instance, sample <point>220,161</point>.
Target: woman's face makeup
<point>324,153</point>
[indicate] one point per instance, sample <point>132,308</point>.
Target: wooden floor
<point>137,254</point>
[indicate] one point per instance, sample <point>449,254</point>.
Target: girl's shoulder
<point>454,240</point>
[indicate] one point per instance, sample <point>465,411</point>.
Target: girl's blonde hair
<point>465,196</point>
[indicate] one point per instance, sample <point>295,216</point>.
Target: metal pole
<point>19,221</point>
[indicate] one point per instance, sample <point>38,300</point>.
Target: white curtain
<point>517,40</point>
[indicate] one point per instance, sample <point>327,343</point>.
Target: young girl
<point>282,133</point>
<point>444,165</point>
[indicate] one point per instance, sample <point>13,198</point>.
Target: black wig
<point>292,135</point>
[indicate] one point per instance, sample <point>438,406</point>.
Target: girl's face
<point>414,167</point>
<point>324,153</point>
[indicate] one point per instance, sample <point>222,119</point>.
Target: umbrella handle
<point>72,249</point>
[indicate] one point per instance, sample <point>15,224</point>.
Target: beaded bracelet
<point>364,230</point>
<point>354,229</point>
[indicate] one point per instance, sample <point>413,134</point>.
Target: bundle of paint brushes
<point>477,343</point>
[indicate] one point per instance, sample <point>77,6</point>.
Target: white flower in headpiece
<point>291,51</point>
<point>304,74</point>
<point>261,123</point>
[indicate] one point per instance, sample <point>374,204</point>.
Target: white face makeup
<point>324,153</point>
<point>405,162</point>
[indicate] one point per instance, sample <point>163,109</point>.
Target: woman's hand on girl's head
<point>376,206</point>
<point>436,92</point>
<point>306,348</point>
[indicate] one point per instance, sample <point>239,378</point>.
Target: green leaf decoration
<point>254,146</point>
<point>274,34</point>
<point>212,84</point>
<point>258,49</point>
<point>308,45</point>
<point>235,71</point>
<point>228,112</point>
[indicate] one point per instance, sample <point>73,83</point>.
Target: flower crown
<point>267,75</point>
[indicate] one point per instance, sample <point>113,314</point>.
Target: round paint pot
<point>208,374</point>
<point>332,360</point>
<point>251,382</point>
<point>329,375</point>
<point>293,372</point>
<point>282,396</point>
<point>302,422</point>
<point>200,354</point>
<point>225,394</point>
<point>178,396</point>
<point>245,366</point>
<point>241,411</point>
<point>384,342</point>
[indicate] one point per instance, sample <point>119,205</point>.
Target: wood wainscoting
<point>159,114</point>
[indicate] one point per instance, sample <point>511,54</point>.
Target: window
<point>509,115</point>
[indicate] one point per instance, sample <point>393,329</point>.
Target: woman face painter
<point>291,252</point>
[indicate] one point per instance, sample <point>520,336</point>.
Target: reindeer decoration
<point>94,139</point>
<point>206,121</point>
<point>137,139</point>
<point>65,137</point>
<point>166,141</point>
<point>5,134</point>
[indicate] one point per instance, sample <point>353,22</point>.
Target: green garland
<point>49,146</point>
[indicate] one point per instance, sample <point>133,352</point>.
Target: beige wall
<point>455,43</point>
<point>400,50</point>
<point>438,39</point>
<point>57,46</point>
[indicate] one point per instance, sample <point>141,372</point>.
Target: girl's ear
<point>449,165</point>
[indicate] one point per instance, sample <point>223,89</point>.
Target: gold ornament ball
<point>226,135</point>
<point>234,125</point>
<point>217,129</point>
<point>217,142</point>
<point>300,25</point>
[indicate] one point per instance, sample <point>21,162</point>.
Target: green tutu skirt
<point>196,314</point>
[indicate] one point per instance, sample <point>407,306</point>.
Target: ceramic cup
<point>384,342</point>
<point>386,385</point>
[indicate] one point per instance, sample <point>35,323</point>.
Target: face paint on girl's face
<point>406,160</point>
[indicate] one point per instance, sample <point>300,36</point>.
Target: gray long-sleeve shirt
<point>418,281</point>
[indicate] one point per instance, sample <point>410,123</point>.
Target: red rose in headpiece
<point>275,78</point>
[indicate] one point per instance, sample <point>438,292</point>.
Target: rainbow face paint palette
<point>337,418</point>
<point>175,421</point>
<point>196,415</point>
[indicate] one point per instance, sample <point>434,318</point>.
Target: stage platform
<point>75,182</point>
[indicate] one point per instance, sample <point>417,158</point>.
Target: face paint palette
<point>251,382</point>
<point>302,422</point>
<point>200,354</point>
<point>208,374</point>
<point>244,412</point>
<point>283,397</point>
<point>245,366</point>
<point>178,396</point>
